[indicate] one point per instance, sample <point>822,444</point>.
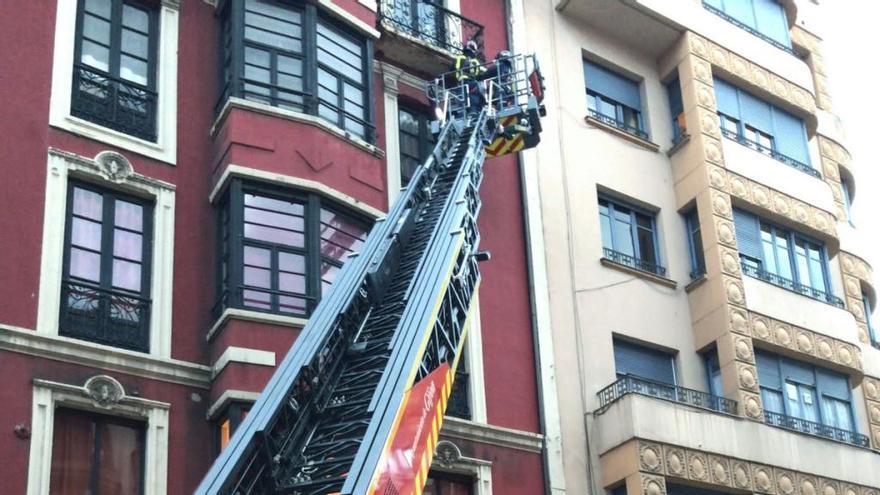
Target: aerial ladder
<point>356,405</point>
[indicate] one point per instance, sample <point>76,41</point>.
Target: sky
<point>850,40</point>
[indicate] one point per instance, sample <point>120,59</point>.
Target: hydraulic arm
<point>356,405</point>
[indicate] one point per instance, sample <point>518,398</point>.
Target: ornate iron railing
<point>632,262</point>
<point>430,23</point>
<point>104,316</point>
<point>791,285</point>
<point>619,124</point>
<point>631,384</point>
<point>751,30</point>
<point>760,148</point>
<point>459,404</point>
<point>113,102</point>
<point>816,429</point>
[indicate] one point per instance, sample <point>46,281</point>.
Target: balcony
<point>779,157</point>
<point>750,30</point>
<point>95,314</point>
<point>635,416</point>
<point>630,384</point>
<point>113,103</point>
<point>424,35</point>
<point>632,262</point>
<point>791,285</point>
<point>816,429</point>
<point>617,124</point>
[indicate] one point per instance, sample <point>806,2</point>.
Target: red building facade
<point>183,180</point>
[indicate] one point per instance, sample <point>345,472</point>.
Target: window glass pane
<point>339,52</point>
<point>133,70</point>
<point>85,233</point>
<point>72,437</point>
<point>257,277</point>
<point>257,74</point>
<point>129,215</point>
<point>273,24</point>
<point>622,233</point>
<point>127,245</point>
<point>290,282</point>
<point>772,400</point>
<point>607,108</point>
<point>817,272</point>
<point>120,459</point>
<point>99,7</point>
<point>272,220</point>
<point>135,18</point>
<point>289,262</point>
<point>127,275</point>
<point>631,118</point>
<point>85,265</point>
<point>800,257</point>
<point>96,29</point>
<point>605,225</point>
<point>87,203</point>
<point>767,249</point>
<point>290,304</point>
<point>647,251</point>
<point>783,258</point>
<point>95,56</point>
<point>256,299</point>
<point>254,256</point>
<point>257,57</point>
<point>340,235</point>
<point>328,276</point>
<point>135,44</point>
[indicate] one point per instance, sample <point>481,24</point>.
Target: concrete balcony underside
<point>654,420</point>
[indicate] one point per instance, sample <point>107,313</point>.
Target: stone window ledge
<point>648,145</point>
<point>672,284</point>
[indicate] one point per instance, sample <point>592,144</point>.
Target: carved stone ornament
<point>115,166</point>
<point>105,391</point>
<point>447,453</point>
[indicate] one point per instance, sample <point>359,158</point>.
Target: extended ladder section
<point>356,405</point>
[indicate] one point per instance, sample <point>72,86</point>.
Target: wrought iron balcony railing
<point>754,32</point>
<point>113,103</point>
<point>760,148</point>
<point>632,262</point>
<point>430,23</point>
<point>104,316</point>
<point>619,124</point>
<point>459,404</point>
<point>788,284</point>
<point>631,384</point>
<point>816,429</point>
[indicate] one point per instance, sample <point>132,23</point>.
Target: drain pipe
<point>539,296</point>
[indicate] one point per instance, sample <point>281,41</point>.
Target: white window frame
<point>474,358</point>
<point>165,147</point>
<point>112,170</point>
<point>102,394</point>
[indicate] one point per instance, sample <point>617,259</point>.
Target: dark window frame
<point>619,119</point>
<point>817,391</point>
<point>80,106</point>
<point>635,212</point>
<point>235,413</point>
<point>230,228</point>
<point>459,479</point>
<point>424,136</point>
<point>67,324</point>
<point>96,417</point>
<point>231,66</point>
<point>693,230</point>
<point>873,332</point>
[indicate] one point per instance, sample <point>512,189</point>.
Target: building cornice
<point>83,353</point>
<point>494,435</point>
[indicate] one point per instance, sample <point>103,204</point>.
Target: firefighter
<point>468,70</point>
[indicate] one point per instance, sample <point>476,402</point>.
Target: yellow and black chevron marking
<point>501,145</point>
<point>434,434</point>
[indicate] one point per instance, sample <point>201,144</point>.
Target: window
<point>105,289</point>
<point>763,127</point>
<point>695,244</point>
<point>846,189</point>
<point>448,484</point>
<point>783,257</point>
<point>629,236</point>
<point>614,99</point>
<point>792,389</point>
<point>115,66</point>
<point>292,246</point>
<point>235,414</point>
<point>459,404</point>
<point>293,57</point>
<point>676,108</point>
<point>763,18</point>
<point>416,141</point>
<point>636,360</point>
<point>873,332</point>
<point>713,373</point>
<point>93,453</point>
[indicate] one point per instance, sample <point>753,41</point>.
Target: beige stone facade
<point>643,441</point>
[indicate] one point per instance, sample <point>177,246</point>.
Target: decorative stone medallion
<point>115,166</point>
<point>447,453</point>
<point>104,390</point>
